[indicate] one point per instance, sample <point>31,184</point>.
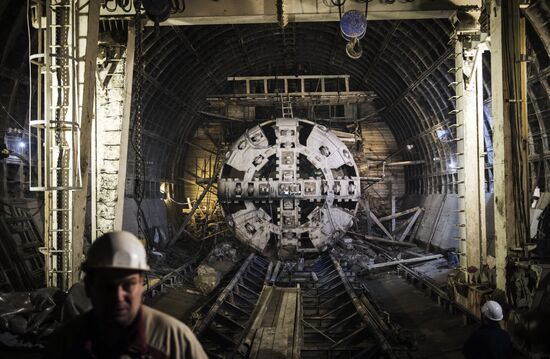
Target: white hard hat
<point>492,310</point>
<point>120,250</point>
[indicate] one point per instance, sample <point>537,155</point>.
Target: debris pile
<point>361,255</point>
<point>215,266</point>
<point>27,318</point>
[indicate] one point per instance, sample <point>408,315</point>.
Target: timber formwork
<point>223,326</point>
<point>338,320</point>
<point>294,311</point>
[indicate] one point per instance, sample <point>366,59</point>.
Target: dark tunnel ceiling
<point>406,63</point>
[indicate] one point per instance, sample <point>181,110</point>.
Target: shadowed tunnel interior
<point>403,126</point>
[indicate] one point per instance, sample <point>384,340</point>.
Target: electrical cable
<point>338,3</point>
<point>511,67</point>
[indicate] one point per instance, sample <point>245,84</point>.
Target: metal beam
<point>195,206</point>
<point>159,138</point>
<point>88,24</point>
<point>200,12</point>
<point>435,65</point>
<point>385,43</point>
<point>382,240</point>
<point>221,117</point>
<point>202,148</point>
<point>401,261</point>
<point>204,66</point>
<point>163,89</point>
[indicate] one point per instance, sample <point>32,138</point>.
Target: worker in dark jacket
<point>489,341</point>
<point>119,325</point>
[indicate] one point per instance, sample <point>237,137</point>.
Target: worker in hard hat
<point>489,340</point>
<point>119,325</point>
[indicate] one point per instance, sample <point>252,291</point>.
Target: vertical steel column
<point>509,133</point>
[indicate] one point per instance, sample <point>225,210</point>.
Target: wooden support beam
<point>399,214</point>
<point>380,225</point>
<point>410,225</point>
<point>401,226</point>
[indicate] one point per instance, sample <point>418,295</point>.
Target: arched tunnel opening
<point>308,178</point>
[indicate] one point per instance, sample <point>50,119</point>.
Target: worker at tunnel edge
<point>489,340</point>
<point>119,325</point>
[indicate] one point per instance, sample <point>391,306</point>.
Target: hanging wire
<point>338,3</point>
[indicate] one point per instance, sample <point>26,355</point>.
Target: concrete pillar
<point>124,136</point>
<point>509,132</point>
<point>111,132</point>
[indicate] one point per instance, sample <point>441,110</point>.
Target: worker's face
<point>115,295</point>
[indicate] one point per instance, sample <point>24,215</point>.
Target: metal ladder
<point>286,106</point>
<point>57,131</point>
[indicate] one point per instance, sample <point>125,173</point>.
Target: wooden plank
<point>258,314</point>
<point>399,214</point>
<point>267,343</point>
<point>380,225</point>
<point>411,224</point>
<point>290,321</point>
<point>280,343</point>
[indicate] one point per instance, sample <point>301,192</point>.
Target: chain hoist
<point>137,134</point>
